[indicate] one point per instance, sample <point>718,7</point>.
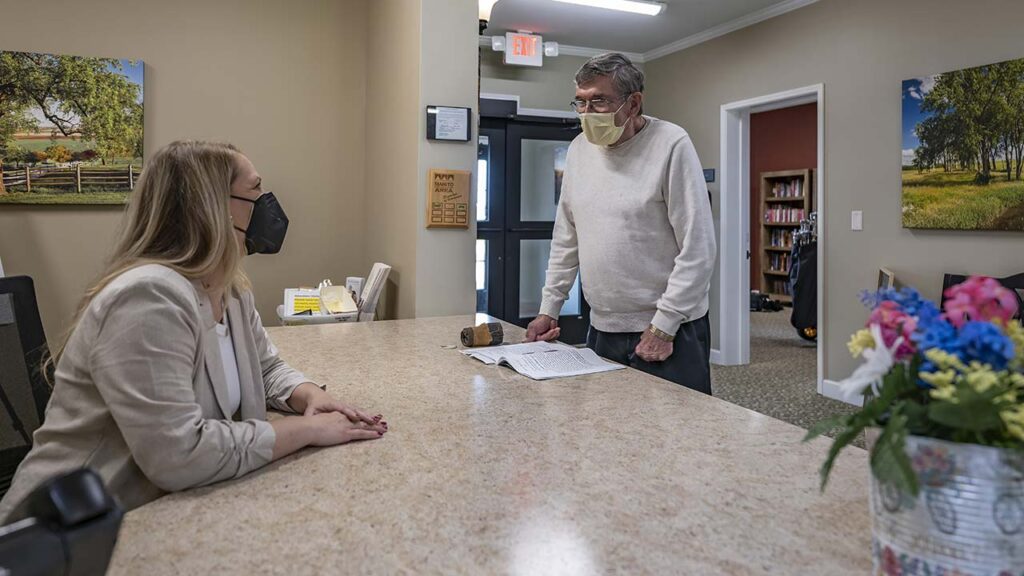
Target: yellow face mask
<point>600,128</point>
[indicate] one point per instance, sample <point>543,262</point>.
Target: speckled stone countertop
<point>487,472</point>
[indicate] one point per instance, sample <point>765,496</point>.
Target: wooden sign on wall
<point>448,199</point>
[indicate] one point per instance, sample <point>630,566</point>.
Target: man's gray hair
<point>626,77</point>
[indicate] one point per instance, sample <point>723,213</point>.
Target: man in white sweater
<point>634,220</point>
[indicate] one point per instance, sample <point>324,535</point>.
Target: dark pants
<point>688,365</point>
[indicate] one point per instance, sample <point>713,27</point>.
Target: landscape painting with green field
<point>70,128</point>
<point>963,149</point>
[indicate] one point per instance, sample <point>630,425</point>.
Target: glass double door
<point>520,166</point>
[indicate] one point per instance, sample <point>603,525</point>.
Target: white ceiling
<point>620,31</point>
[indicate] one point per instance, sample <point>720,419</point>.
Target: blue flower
<point>908,299</point>
<point>927,313</point>
<point>937,333</point>
<point>940,334</point>
<point>871,299</point>
<point>986,343</point>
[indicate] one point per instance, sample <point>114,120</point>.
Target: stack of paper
<point>544,360</point>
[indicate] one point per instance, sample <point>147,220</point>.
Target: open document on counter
<point>544,360</point>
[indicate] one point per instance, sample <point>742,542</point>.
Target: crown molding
<point>591,52</point>
<point>567,50</point>
<point>731,26</point>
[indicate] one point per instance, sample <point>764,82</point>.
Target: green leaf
<point>849,433</point>
<point>894,386</point>
<point>825,426</point>
<point>889,460</point>
<point>917,417</point>
<point>974,412</point>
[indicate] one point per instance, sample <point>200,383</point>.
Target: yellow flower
<point>1015,332</point>
<point>940,379</point>
<point>981,379</point>
<point>860,341</point>
<point>1017,380</point>
<point>947,393</point>
<point>1014,419</point>
<point>1010,397</point>
<point>944,360</point>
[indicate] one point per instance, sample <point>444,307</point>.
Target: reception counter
<point>486,472</point>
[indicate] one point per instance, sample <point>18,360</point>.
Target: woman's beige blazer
<point>140,394</point>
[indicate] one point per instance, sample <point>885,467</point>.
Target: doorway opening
<point>520,160</point>
<point>740,243</point>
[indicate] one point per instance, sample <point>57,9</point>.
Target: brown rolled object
<point>489,334</point>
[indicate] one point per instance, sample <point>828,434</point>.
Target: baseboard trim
<point>716,356</point>
<point>831,389</point>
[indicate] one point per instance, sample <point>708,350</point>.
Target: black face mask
<point>267,225</point>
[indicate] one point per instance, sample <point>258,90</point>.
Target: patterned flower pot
<point>968,518</point>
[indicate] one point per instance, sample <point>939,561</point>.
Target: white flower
<point>877,363</point>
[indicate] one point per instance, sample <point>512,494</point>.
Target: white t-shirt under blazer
<point>227,356</point>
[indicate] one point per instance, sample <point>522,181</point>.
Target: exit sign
<point>524,49</point>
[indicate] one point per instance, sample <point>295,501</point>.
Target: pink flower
<point>981,299</point>
<point>895,323</point>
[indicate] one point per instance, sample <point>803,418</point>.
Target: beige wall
<point>861,51</point>
<point>392,147</point>
<point>445,282</point>
<point>283,80</point>
<point>549,87</point>
<point>422,53</point>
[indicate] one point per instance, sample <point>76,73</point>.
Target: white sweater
<point>635,221</point>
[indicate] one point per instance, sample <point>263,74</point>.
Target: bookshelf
<point>786,198</point>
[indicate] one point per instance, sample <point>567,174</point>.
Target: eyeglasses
<point>599,105</point>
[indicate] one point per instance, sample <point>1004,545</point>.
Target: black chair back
<point>67,526</point>
<point>24,391</point>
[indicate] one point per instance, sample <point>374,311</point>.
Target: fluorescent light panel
<point>485,9</point>
<point>634,6</point>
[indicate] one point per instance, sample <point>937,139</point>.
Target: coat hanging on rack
<point>803,278</point>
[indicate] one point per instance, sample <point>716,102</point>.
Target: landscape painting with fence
<point>963,149</point>
<point>70,128</point>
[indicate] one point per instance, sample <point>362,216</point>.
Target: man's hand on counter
<point>543,328</point>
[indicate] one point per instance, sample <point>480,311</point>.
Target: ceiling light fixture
<point>635,6</point>
<point>485,12</point>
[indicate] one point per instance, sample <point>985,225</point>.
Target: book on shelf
<point>792,188</point>
<point>781,214</point>
<point>780,287</point>
<point>780,238</point>
<point>779,262</point>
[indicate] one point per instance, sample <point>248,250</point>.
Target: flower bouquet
<point>944,389</point>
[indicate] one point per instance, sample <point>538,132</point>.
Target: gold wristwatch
<point>660,335</point>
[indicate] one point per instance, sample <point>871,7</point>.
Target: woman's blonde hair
<point>177,217</point>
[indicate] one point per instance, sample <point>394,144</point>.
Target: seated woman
<point>165,378</point>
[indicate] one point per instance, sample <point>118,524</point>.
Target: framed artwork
<point>963,149</point>
<point>886,279</point>
<point>71,128</point>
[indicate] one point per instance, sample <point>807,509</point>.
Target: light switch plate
<point>856,220</point>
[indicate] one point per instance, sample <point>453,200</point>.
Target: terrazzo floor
<point>780,380</point>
